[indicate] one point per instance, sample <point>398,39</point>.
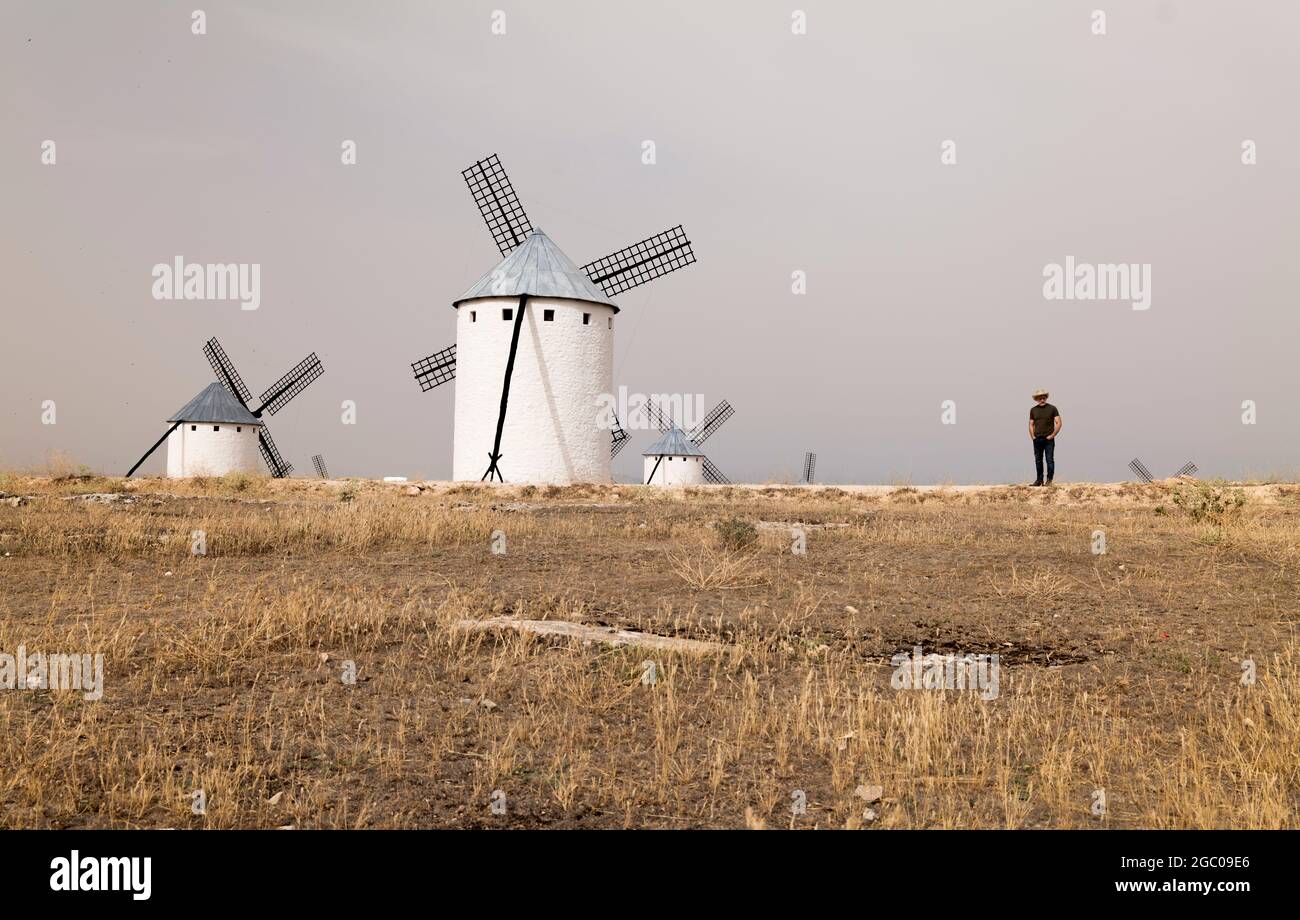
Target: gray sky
<point>816,152</point>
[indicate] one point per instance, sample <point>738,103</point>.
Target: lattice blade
<point>641,262</point>
<point>619,438</point>
<point>498,203</point>
<point>712,422</point>
<point>436,369</point>
<point>1187,469</point>
<point>1142,472</point>
<point>809,464</point>
<point>291,384</point>
<point>225,371</point>
<point>274,462</point>
<point>713,474</point>
<point>656,415</point>
<point>319,462</point>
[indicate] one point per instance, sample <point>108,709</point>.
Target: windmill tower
<point>674,460</point>
<point>213,435</point>
<point>216,433</point>
<point>535,347</point>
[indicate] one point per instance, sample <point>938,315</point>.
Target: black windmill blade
<point>1187,469</point>
<point>809,464</point>
<point>271,454</point>
<point>712,422</point>
<point>225,371</point>
<point>1140,469</point>
<point>319,462</point>
<point>619,438</point>
<point>299,377</point>
<point>657,416</point>
<point>714,475</point>
<point>436,369</point>
<point>641,262</point>
<point>498,203</point>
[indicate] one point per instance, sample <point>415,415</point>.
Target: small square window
<point>507,314</point>
<point>548,316</point>
<point>194,428</point>
<point>473,316</point>
<point>216,427</point>
<point>238,429</point>
<point>611,322</point>
<point>586,319</point>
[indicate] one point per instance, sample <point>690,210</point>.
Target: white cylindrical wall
<point>204,451</point>
<point>674,471</point>
<point>562,368</point>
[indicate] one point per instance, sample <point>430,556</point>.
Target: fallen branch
<point>605,634</point>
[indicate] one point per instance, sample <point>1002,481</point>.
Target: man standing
<point>1044,426</point>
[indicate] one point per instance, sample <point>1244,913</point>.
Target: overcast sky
<point>778,152</point>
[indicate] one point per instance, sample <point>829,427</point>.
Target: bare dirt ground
<point>1121,673</point>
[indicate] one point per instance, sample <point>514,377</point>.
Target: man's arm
<point>1056,429</point>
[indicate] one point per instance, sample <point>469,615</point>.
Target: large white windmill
<point>534,347</point>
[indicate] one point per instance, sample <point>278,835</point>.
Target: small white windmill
<point>215,433</point>
<point>694,467</point>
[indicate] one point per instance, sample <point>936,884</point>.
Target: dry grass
<point>224,672</point>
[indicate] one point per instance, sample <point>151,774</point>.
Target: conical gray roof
<point>215,404</point>
<point>538,268</point>
<point>673,444</point>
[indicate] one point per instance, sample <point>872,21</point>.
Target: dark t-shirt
<point>1042,418</point>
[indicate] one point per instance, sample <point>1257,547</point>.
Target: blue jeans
<point>1043,446</point>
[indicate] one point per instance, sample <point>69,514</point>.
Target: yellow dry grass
<point>225,671</point>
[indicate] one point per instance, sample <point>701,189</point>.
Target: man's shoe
<point>1037,482</point>
<point>1049,482</point>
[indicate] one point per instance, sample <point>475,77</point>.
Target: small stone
<point>870,794</point>
<point>412,490</point>
<point>850,609</point>
<point>324,657</point>
<point>166,573</point>
<point>487,704</point>
<point>275,799</point>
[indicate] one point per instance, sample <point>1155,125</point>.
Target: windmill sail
<point>498,203</point>
<point>619,438</point>
<point>1138,467</point>
<point>809,465</point>
<point>436,369</point>
<point>713,474</point>
<point>712,422</point>
<point>641,262</point>
<point>225,371</point>
<point>299,377</point>
<point>656,415</point>
<point>271,454</point>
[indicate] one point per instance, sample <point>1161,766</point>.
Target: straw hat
<point>1039,392</point>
